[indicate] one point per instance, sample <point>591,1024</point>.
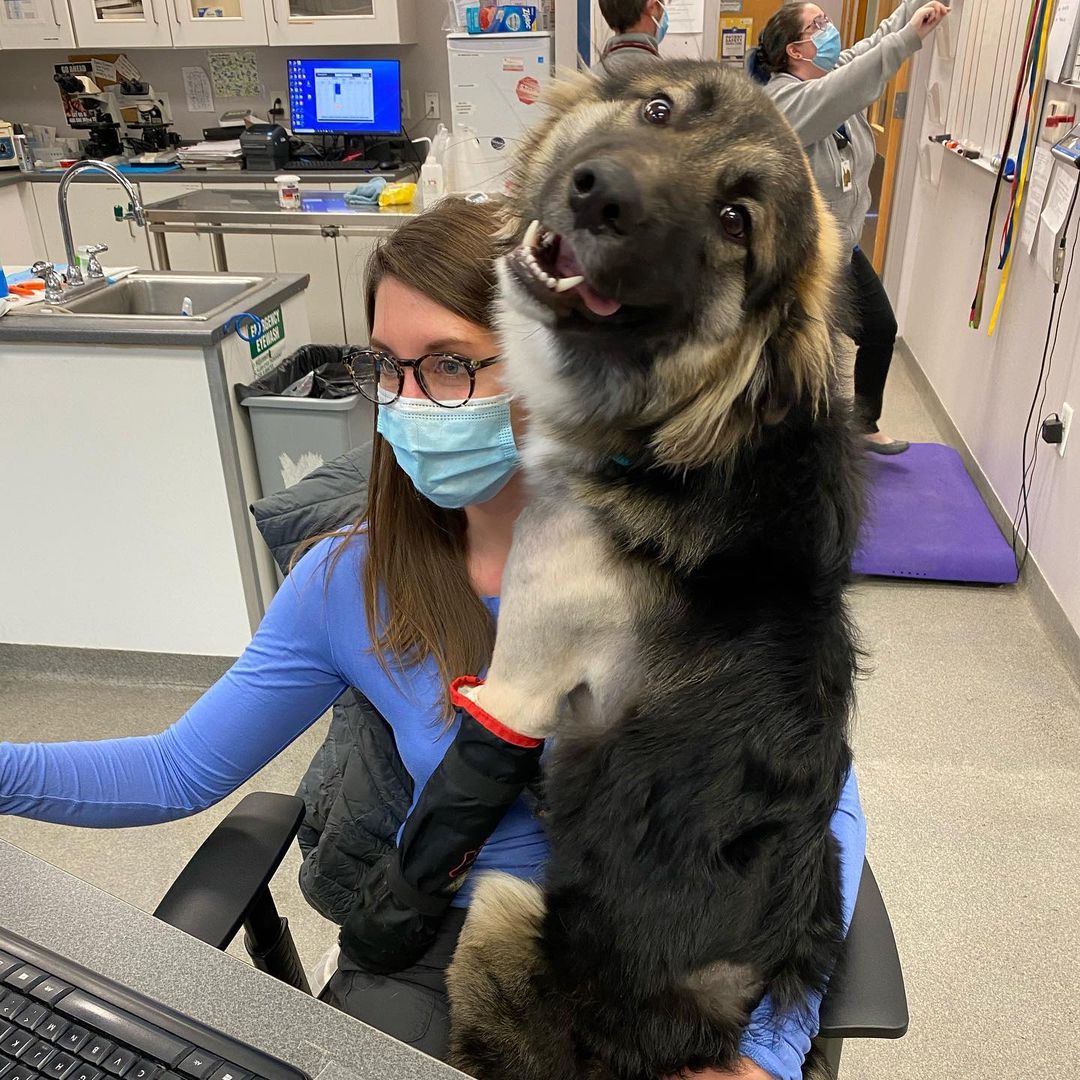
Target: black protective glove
<point>405,895</point>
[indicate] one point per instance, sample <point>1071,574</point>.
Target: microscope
<point>125,112</point>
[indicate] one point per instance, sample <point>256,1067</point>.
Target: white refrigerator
<point>496,81</point>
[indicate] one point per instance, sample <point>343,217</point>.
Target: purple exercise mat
<point>925,519</point>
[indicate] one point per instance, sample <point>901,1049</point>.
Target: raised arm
<point>896,21</point>
<point>817,107</point>
<point>285,680</point>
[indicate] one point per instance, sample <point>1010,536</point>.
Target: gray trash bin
<point>294,436</point>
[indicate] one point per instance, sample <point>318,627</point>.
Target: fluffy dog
<point>673,607</point>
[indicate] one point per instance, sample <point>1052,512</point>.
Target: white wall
<point>29,95</point>
<point>986,384</point>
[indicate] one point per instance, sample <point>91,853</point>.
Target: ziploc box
<point>506,18</point>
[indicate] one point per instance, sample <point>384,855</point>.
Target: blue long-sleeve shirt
<point>313,644</point>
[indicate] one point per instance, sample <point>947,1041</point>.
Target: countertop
<point>213,177</point>
<point>94,929</point>
<point>196,333</point>
<point>223,207</point>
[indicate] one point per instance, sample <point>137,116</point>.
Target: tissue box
<point>506,18</point>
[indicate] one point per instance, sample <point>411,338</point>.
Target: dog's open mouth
<point>546,266</point>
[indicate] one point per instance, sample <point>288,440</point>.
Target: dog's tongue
<point>566,265</point>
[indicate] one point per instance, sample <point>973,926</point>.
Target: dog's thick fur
<point>673,607</point>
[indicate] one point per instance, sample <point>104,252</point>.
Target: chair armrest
<point>866,998</point>
<point>214,892</point>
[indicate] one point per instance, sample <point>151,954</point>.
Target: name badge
<point>845,173</point>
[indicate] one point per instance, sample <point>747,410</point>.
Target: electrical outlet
<point>406,105</point>
<point>1066,425</point>
<point>431,105</point>
<point>284,95</point>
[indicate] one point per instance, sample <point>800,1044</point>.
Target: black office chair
<point>226,885</point>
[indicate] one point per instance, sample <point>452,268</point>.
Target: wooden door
<point>886,116</point>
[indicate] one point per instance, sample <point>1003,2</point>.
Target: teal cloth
<point>366,194</point>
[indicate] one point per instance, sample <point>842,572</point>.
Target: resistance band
<point>976,305</point>
<point>1036,93</point>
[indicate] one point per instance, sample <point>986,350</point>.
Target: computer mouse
<point>389,164</point>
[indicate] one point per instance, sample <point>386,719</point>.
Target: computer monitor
<point>345,97</point>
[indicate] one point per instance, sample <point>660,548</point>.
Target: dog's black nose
<point>605,197</point>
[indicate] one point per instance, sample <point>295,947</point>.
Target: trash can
<point>294,435</point>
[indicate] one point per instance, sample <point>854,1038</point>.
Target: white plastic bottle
<point>432,186</point>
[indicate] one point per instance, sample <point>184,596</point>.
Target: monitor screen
<point>345,97</point>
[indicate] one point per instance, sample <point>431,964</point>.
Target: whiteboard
<point>989,47</point>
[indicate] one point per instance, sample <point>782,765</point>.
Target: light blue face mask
<point>454,457</point>
<point>662,25</point>
<point>827,43</point>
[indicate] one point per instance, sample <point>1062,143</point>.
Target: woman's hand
<point>745,1069</point>
<point>927,18</point>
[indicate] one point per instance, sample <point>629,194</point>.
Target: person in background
<point>639,26</point>
<point>394,605</point>
<point>824,93</point>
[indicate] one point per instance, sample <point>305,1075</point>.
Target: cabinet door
<point>217,22</point>
<point>338,22</point>
<point>353,253</point>
<point>90,210</point>
<point>187,251</point>
<point>20,239</point>
<point>249,254</point>
<point>36,24</point>
<point>317,256</point>
<point>120,24</point>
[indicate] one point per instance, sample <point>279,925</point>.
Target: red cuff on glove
<point>485,718</point>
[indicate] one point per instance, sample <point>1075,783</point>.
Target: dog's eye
<point>657,110</point>
<point>735,223</point>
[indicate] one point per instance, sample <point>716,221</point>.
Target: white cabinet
<point>341,22</point>
<point>90,209</point>
<point>187,251</point>
<point>20,235</point>
<point>217,22</point>
<point>120,24</point>
<point>353,253</point>
<point>35,24</point>
<point>317,256</point>
<point>247,254</point>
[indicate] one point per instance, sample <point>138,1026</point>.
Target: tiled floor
<point>968,753</point>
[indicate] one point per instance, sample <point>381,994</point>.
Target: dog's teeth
<point>531,233</point>
<point>568,282</point>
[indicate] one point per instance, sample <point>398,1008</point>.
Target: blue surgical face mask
<point>662,25</point>
<point>827,43</point>
<point>454,457</point>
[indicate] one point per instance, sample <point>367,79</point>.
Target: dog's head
<point>675,266</point>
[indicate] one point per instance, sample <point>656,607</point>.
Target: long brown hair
<point>416,557</point>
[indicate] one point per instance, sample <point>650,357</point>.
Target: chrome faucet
<point>54,285</point>
<point>74,274</point>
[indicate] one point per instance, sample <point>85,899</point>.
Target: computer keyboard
<point>357,165</point>
<point>61,1021</point>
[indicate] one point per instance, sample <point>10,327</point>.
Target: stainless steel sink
<point>162,296</point>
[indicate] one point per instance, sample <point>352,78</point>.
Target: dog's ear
<point>536,150</point>
<point>800,351</point>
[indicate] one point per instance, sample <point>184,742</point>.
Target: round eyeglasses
<point>819,22</point>
<point>446,379</point>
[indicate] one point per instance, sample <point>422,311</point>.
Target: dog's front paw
<point>475,697</point>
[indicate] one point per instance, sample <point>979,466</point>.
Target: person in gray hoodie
<point>639,27</point>
<point>824,93</point>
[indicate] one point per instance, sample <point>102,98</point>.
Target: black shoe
<point>897,446</point>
